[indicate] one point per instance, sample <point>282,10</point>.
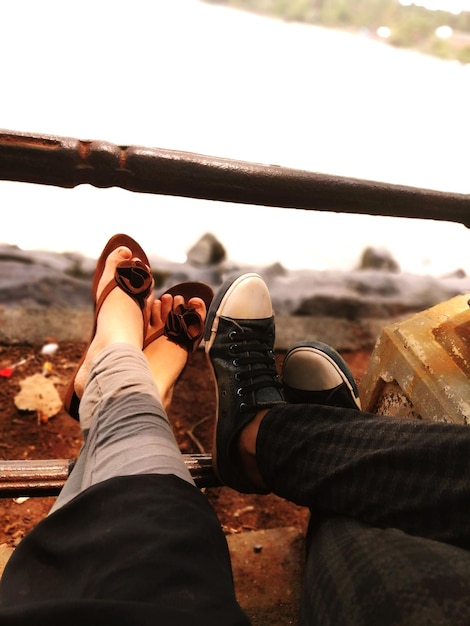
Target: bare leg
<point>167,359</point>
<point>125,425</point>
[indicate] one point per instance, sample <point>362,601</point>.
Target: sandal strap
<point>184,326</point>
<point>134,278</point>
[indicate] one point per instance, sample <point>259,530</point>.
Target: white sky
<point>185,75</point>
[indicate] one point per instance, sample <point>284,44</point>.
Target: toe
<point>166,306</point>
<point>199,306</point>
<point>156,320</point>
<point>178,301</point>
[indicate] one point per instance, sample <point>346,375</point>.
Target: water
<point>189,76</point>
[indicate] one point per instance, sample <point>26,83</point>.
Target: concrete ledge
<point>21,325</point>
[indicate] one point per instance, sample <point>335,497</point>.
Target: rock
<point>48,294</point>
<point>352,308</point>
<point>36,277</point>
<point>274,270</point>
<point>34,284</point>
<point>459,273</point>
<point>71,263</point>
<point>378,259</point>
<point>207,251</point>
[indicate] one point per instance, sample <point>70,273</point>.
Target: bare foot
<point>166,358</point>
<point>119,318</point>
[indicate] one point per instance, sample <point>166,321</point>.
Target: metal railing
<point>47,477</point>
<point>67,162</point>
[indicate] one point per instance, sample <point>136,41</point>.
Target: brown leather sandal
<point>134,278</point>
<point>184,326</point>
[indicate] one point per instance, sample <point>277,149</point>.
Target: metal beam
<point>68,162</point>
<point>47,477</point>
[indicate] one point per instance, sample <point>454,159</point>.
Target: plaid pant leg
<point>383,471</point>
<point>357,575</point>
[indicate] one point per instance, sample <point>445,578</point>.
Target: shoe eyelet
<point>236,363</point>
<point>237,376</point>
<point>232,334</point>
<point>242,406</point>
<point>240,391</point>
<point>233,347</point>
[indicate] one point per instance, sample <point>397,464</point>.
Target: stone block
<point>420,367</point>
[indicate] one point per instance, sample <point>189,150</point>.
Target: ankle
<point>247,450</point>
<point>167,361</point>
<point>119,321</point>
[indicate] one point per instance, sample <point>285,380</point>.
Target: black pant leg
<point>357,575</point>
<point>143,549</point>
<point>384,471</point>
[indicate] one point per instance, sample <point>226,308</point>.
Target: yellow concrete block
<point>420,367</point>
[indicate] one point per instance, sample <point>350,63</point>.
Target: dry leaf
<point>39,394</point>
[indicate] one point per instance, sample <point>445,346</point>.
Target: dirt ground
<point>24,436</point>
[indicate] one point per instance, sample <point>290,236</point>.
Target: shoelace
<point>258,353</point>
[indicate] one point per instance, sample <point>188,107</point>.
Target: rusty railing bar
<point>68,162</point>
<point>47,477</point>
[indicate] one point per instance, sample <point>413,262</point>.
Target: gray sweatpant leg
<point>129,430</point>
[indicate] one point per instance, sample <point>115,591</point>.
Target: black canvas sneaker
<point>314,373</point>
<point>239,344</point>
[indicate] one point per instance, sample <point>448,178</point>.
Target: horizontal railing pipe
<point>47,477</point>
<point>68,162</point>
